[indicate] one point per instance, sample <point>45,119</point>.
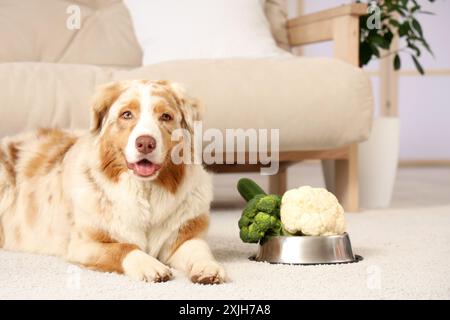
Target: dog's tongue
<point>145,168</point>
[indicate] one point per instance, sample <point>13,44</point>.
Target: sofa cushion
<point>38,31</point>
<point>105,37</point>
<point>317,103</point>
<point>38,95</point>
<point>201,29</point>
<point>276,13</point>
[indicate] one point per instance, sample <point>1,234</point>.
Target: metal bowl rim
<point>357,258</point>
<point>345,234</point>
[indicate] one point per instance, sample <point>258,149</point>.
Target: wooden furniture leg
<point>346,180</point>
<point>278,182</point>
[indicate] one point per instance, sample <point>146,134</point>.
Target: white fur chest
<point>150,216</point>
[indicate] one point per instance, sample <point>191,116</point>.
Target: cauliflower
<point>312,212</point>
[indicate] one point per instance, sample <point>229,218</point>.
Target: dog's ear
<point>190,107</point>
<point>104,98</point>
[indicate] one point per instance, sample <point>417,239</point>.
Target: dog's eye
<point>127,115</point>
<point>165,117</point>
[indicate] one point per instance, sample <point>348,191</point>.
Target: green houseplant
<point>387,18</point>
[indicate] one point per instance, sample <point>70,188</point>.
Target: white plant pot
<point>377,163</point>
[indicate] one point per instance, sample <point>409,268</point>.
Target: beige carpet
<point>406,253</point>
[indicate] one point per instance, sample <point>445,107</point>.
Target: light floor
<point>406,251</point>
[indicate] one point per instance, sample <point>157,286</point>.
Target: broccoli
<point>268,203</point>
<point>261,217</point>
<point>250,210</point>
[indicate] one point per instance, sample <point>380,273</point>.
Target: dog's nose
<point>145,144</point>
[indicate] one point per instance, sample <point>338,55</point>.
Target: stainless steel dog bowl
<point>307,250</point>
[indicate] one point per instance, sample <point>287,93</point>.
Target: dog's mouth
<point>144,168</point>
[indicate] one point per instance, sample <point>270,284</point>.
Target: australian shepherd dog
<point>111,198</point>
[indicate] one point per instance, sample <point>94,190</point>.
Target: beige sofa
<point>322,106</point>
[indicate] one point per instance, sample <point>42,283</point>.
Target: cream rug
<point>406,252</point>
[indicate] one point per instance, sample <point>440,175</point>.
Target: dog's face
<point>134,121</point>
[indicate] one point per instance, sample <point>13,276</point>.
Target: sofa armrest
<point>340,24</point>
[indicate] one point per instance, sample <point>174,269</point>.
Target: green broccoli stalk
<point>261,215</point>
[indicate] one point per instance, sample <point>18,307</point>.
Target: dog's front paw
<point>140,266</point>
<point>207,272</point>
